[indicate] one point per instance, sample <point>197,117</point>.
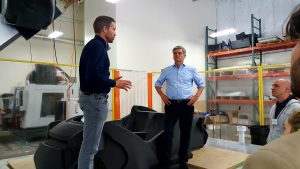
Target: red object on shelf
<point>276,74</point>
<point>240,101</point>
<point>265,47</point>
<point>231,52</point>
<point>277,46</point>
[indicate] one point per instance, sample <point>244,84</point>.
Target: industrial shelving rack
<point>256,53</point>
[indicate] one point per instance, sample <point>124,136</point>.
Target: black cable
<point>74,48</point>
<point>74,35</point>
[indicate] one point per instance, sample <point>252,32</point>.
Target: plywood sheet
<point>21,163</point>
<point>216,158</point>
<point>205,158</point>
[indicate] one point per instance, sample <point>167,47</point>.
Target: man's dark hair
<point>295,78</point>
<point>102,21</point>
<point>293,24</point>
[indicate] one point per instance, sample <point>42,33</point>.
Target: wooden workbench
<point>21,163</point>
<point>205,158</point>
<point>216,158</point>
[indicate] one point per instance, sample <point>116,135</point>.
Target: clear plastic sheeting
<point>237,14</point>
<point>135,96</point>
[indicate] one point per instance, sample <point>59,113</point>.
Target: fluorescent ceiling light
<point>222,33</point>
<point>112,1</point>
<point>55,34</point>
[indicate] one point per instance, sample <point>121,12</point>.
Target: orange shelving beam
<point>264,48</point>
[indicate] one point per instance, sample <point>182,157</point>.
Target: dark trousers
<point>184,113</point>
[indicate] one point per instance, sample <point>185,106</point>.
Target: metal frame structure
<point>210,61</point>
<point>255,26</point>
<point>255,83</point>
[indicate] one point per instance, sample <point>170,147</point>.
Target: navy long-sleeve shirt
<point>94,67</point>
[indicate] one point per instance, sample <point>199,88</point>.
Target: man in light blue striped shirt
<point>179,103</point>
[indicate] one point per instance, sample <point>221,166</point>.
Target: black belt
<point>179,101</point>
<point>91,93</point>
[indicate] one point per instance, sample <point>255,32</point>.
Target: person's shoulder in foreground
<point>282,153</point>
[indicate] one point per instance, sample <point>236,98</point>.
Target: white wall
<point>148,30</point>
<point>93,9</point>
<point>237,14</point>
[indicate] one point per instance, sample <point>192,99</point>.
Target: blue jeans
<point>95,111</point>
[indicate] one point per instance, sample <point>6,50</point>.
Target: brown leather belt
<point>93,93</point>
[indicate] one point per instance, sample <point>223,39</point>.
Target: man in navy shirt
<point>95,85</point>
<point>179,103</point>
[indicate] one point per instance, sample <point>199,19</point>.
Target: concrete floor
<point>14,145</point>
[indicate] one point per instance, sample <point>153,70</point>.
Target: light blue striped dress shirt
<point>179,81</point>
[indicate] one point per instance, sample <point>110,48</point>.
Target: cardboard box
<point>233,118</point>
<point>217,119</point>
<point>244,97</point>
<point>200,106</point>
<point>228,73</point>
<point>234,97</point>
<point>241,121</point>
<point>232,115</point>
<point>279,70</point>
<point>265,71</point>
<point>218,73</point>
<point>225,97</point>
<point>241,72</point>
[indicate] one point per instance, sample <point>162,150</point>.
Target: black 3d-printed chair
<point>133,142</point>
<point>61,149</point>
<point>135,138</point>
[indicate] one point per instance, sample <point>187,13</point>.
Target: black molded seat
<point>61,149</point>
<point>133,142</point>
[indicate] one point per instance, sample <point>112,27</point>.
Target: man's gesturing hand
<point>123,84</point>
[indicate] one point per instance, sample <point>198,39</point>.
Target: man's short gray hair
<point>179,47</point>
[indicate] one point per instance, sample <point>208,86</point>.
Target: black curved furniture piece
<point>61,149</point>
<point>133,142</point>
